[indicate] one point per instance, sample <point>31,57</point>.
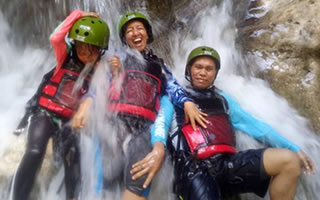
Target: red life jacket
<point>56,95</point>
<point>218,137</point>
<point>138,92</point>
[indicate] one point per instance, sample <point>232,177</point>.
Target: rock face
<point>285,36</point>
<point>12,157</point>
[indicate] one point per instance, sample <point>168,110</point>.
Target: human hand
<point>307,162</point>
<point>89,14</point>
<point>115,63</point>
<point>81,117</point>
<point>150,165</point>
<point>194,115</point>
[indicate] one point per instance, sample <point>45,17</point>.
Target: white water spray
<point>21,71</point>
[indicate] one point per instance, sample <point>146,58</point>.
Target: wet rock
<point>11,159</point>
<point>173,17</point>
<point>285,36</point>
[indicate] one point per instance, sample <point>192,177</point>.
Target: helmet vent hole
<point>77,31</point>
<point>86,33</point>
<point>203,49</point>
<point>92,22</point>
<point>100,22</point>
<point>83,20</point>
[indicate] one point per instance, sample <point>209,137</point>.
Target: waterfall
<point>22,64</point>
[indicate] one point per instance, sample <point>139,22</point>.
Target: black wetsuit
<point>43,123</point>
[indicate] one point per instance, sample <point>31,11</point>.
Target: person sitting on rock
<point>206,162</point>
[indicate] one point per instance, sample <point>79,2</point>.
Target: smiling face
<point>203,72</point>
<point>136,35</point>
<point>86,53</point>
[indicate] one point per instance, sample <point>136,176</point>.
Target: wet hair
<point>91,49</point>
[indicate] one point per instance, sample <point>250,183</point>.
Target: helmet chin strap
<point>101,53</point>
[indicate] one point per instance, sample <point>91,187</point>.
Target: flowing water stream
<point>22,66</point>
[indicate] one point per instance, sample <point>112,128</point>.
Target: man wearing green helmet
<point>57,97</point>
<point>207,164</point>
<point>143,86</point>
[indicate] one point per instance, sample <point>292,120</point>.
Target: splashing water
<point>21,70</point>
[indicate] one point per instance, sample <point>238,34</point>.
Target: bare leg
<point>284,167</point>
<point>131,196</point>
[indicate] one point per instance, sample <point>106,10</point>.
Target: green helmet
<point>131,16</point>
<point>91,30</point>
<point>201,51</point>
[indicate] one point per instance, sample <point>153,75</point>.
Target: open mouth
<point>137,41</point>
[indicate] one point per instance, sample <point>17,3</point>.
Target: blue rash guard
<point>245,122</point>
<point>176,93</point>
<point>160,128</point>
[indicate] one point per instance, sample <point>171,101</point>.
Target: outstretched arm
<point>179,98</point>
<point>243,121</point>
<point>152,163</point>
<point>261,131</point>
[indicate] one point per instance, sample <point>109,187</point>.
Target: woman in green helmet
<point>57,98</point>
<point>143,85</point>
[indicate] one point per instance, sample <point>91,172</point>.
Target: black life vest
<point>56,95</point>
<point>138,93</point>
<point>218,137</point>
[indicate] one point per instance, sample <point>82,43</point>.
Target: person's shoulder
<point>221,92</point>
<point>230,100</point>
<point>151,53</point>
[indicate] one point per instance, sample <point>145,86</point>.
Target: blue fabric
<point>98,168</point>
<point>146,192</point>
<point>245,122</point>
<point>174,90</point>
<point>160,128</point>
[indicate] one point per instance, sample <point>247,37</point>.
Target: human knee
<point>291,163</point>
<point>35,152</point>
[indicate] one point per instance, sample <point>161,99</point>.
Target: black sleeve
<point>32,104</point>
<point>163,85</point>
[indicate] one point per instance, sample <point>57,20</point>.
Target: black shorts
<point>243,172</point>
<point>222,175</point>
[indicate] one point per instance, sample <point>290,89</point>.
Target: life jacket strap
<point>211,150</point>
<point>132,109</point>
<point>54,107</point>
